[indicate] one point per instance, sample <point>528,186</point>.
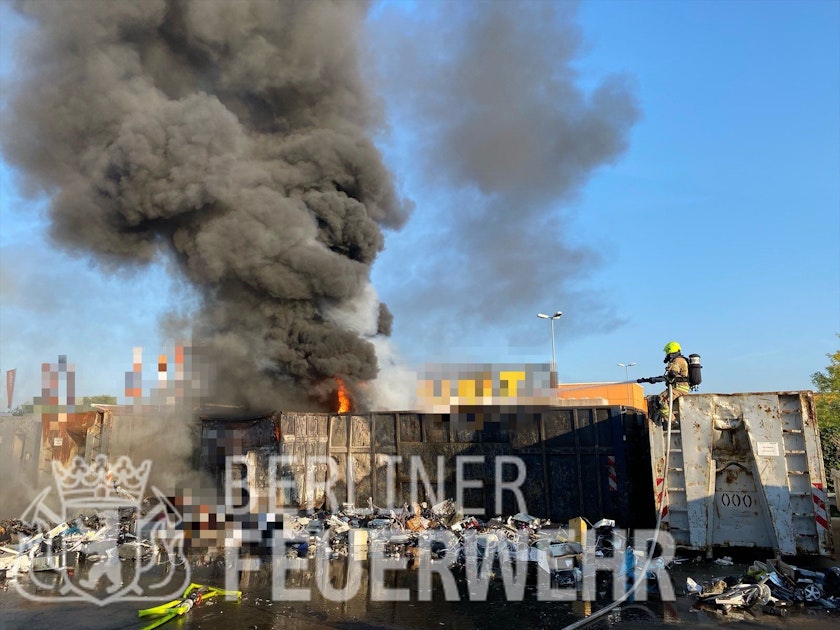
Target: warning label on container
<point>767,449</point>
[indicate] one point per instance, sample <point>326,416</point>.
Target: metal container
<point>745,470</point>
<point>576,461</point>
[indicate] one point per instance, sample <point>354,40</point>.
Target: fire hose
<point>662,507</point>
<point>193,595</point>
<point>664,379</point>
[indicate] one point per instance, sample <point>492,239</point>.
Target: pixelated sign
<point>442,387</point>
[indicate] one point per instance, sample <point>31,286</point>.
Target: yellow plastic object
<point>193,594</point>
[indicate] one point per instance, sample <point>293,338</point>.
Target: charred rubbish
<point>533,552</point>
<point>773,587</point>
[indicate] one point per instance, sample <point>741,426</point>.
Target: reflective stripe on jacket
<point>679,366</point>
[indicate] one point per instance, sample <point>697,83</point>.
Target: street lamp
<point>551,318</point>
<point>627,367</point>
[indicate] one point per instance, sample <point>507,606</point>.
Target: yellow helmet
<point>672,346</point>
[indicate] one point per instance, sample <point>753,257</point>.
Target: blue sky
<point>717,226</point>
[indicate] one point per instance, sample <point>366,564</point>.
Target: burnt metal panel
<point>570,455</point>
<point>560,428</point>
<point>566,496</point>
<point>435,428</point>
<point>384,433</point>
<point>409,425</point>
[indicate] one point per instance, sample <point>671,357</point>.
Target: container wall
<point>564,462</point>
<point>20,441</point>
<point>744,470</point>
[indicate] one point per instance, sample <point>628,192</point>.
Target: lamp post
<point>551,318</point>
<point>627,367</point>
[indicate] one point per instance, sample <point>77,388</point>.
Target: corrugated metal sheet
<point>63,436</point>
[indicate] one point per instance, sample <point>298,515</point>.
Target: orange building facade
<point>444,387</point>
<point>623,394</point>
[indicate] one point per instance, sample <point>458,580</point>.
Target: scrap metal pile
<point>773,587</point>
<point>404,532</point>
<point>11,531</point>
<point>399,532</point>
<point>355,532</point>
<point>98,537</point>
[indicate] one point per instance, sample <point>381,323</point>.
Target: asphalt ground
<point>259,610</point>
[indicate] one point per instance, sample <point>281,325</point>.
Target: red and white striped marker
<point>661,497</point>
<point>820,514</point>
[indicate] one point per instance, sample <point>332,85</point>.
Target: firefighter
<point>676,375</point>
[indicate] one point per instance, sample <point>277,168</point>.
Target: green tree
<point>828,411</point>
<point>102,399</point>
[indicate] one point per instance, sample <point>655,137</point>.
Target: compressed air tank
<point>695,376</point>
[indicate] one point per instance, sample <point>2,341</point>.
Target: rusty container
<point>744,470</point>
<point>576,461</point>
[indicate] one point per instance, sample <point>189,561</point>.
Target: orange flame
<point>344,404</point>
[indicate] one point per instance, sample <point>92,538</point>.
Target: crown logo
<point>101,484</point>
<point>107,487</point>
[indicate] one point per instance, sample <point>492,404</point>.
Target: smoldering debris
<point>351,533</point>
<point>95,537</point>
<point>416,534</point>
<point>773,587</point>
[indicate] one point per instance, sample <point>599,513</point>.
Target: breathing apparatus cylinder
<point>695,376</point>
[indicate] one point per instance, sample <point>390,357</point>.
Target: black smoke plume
<point>233,137</point>
<point>512,132</point>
